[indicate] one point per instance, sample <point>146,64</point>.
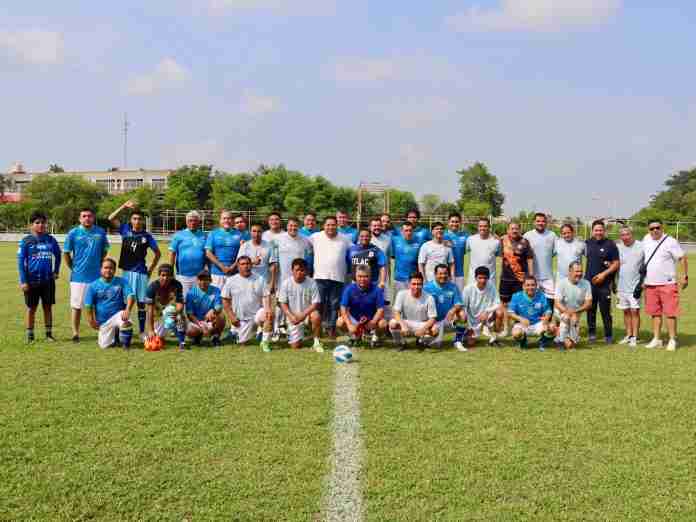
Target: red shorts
<point>662,300</point>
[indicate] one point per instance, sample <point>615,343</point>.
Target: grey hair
<point>193,214</point>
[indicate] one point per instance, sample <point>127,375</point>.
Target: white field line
<point>343,501</point>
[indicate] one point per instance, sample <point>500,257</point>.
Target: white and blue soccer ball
<point>342,354</point>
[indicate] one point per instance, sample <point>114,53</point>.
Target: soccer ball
<point>342,354</point>
<point>154,344</point>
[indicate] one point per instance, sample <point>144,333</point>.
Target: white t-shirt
<point>544,249</point>
<point>264,253</point>
<point>482,252</point>
<point>475,301</point>
<point>299,296</point>
<point>432,254</point>
<point>415,308</point>
<point>631,258</point>
<point>246,294</point>
<point>567,252</point>
<point>662,269</point>
<point>290,248</point>
<point>330,256</point>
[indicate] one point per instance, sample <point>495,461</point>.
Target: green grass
<point>89,434</point>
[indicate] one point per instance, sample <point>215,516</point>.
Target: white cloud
<point>33,46</point>
<point>258,104</point>
<point>285,7</point>
<point>366,71</point>
<point>168,74</point>
<point>534,15</point>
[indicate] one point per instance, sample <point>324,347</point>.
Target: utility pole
<point>125,141</point>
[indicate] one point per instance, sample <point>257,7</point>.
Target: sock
<point>117,336</point>
<point>459,333</point>
<point>125,335</point>
<point>30,333</point>
<point>181,335</point>
<point>215,338</point>
<point>397,336</point>
<point>266,336</point>
<point>142,315</point>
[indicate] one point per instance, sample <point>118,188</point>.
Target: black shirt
<point>161,296</point>
<point>600,255</point>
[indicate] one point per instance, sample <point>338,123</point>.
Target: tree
<point>478,187</point>
<point>54,168</point>
<point>231,191</point>
<point>429,203</point>
<point>189,187</point>
<point>146,198</point>
<point>400,202</point>
<point>15,216</point>
<point>6,184</point>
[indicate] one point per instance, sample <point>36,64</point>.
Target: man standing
<point>241,224</point>
<point>435,252</point>
<point>299,299</point>
<point>135,242</point>
<point>275,228</point>
<point>387,228</point>
<point>602,263</point>
<point>448,302</point>
<point>518,262</point>
<point>366,254</point>
<point>85,247</point>
<point>530,309</point>
<point>242,298</point>
<point>631,261</point>
<point>382,240</point>
<point>221,249</point>
<point>330,253</point>
<point>543,242</point>
<point>109,301</point>
<point>309,228</point>
<point>344,227</point>
<point>204,311</point>
<point>362,308</point>
<point>187,252</point>
<point>415,313</point>
<point>38,261</point>
<point>264,262</point>
<point>404,250</point>
<point>291,245</point>
<point>481,304</point>
<point>661,288</point>
<point>573,297</point>
<point>483,248</point>
<point>456,240</point>
<point>568,250</point>
<point>420,234</point>
<point>165,301</point>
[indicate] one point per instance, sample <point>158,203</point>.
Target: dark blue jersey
<point>38,258</point>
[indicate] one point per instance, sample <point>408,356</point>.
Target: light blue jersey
<point>457,242</point>
<point>190,252</point>
<point>224,244</point>
<point>446,297</point>
<point>631,258</point>
<point>199,303</point>
<point>532,309</point>
<point>87,247</point>
<point>350,233</point>
<point>405,255</point>
<point>108,297</point>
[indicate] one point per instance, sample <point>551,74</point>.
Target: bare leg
<point>657,325</point>
<point>672,327</point>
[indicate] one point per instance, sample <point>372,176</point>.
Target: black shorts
<point>45,291</point>
<point>508,288</point>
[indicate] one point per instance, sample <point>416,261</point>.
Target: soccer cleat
<point>633,342</point>
<point>265,346</point>
<point>460,347</point>
<point>402,347</point>
<point>215,341</point>
<point>609,340</point>
<point>655,343</point>
<point>30,338</point>
<point>672,345</point>
<point>197,340</point>
<point>75,339</point>
<point>493,341</point>
<point>231,337</point>
<point>625,340</point>
<point>275,337</point>
<point>317,346</point>
<point>486,331</point>
<point>420,344</point>
<point>353,342</point>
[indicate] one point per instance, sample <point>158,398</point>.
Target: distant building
<point>115,181</point>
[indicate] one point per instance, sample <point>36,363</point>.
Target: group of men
<point>300,280</point>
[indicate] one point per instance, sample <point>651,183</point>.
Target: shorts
<point>412,326</point>
<point>441,327</point>
<point>162,331</point>
<point>476,328</point>
<point>548,287</point>
<point>204,327</point>
<point>296,332</point>
<point>187,283</point>
<point>218,280</point>
<point>247,327</point>
<point>627,301</point>
<point>77,294</point>
<point>568,331</point>
<point>460,281</point>
<point>138,283</point>
<point>531,330</point>
<point>508,289</point>
<point>662,300</point>
<point>44,291</point>
<point>107,330</point>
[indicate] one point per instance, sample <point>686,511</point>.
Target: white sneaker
<point>625,340</point>
<point>318,347</point>
<point>504,333</point>
<point>486,331</point>
<point>460,347</point>
<point>672,345</point>
<point>655,343</point>
<point>633,342</point>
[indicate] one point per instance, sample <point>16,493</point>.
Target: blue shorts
<point>138,283</point>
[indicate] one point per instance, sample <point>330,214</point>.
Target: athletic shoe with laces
<point>460,347</point>
<point>51,339</point>
<point>625,340</point>
<point>633,343</point>
<point>265,346</point>
<point>655,343</point>
<point>75,339</point>
<point>671,345</point>
<point>317,346</point>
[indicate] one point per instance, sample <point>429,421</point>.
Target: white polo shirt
<point>662,269</point>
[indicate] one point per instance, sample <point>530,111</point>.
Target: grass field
<point>236,434</point>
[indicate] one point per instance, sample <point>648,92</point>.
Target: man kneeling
<point>299,299</point>
<point>481,304</point>
<point>204,311</point>
<point>531,310</point>
<point>362,308</point>
<point>109,301</point>
<point>573,297</point>
<point>448,302</point>
<point>414,313</point>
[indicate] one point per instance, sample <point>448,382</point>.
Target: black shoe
<point>76,339</point>
<point>30,339</point>
<point>197,340</point>
<point>420,344</point>
<point>50,338</point>
<point>353,342</point>
<point>402,347</point>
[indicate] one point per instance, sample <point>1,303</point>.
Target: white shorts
<point>531,330</point>
<point>218,280</point>
<point>296,332</point>
<point>247,327</point>
<point>477,328</point>
<point>568,331</point>
<point>77,295</point>
<point>107,331</point>
<point>441,327</point>
<point>548,287</point>
<point>412,326</point>
<point>204,327</point>
<point>460,282</point>
<point>187,283</point>
<point>627,301</point>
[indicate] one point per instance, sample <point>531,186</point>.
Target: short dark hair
<point>486,220</point>
<point>437,224</point>
<point>598,222</point>
<point>274,213</point>
<point>329,218</point>
<point>165,267</point>
<point>407,224</point>
<point>540,214</point>
<point>109,260</point>
<point>513,222</point>
<point>298,262</point>
<point>243,257</point>
<point>375,219</point>
<point>413,211</point>
<point>568,225</point>
<point>454,214</point>
<point>343,211</point>
<point>293,218</point>
<point>137,212</point>
<point>203,274</point>
<point>655,220</point>
<point>482,270</point>
<point>385,214</point>
<point>37,215</point>
<point>440,266</point>
<point>257,224</point>
<point>242,217</point>
<point>415,275</point>
<point>364,229</point>
<point>529,277</point>
<point>313,214</point>
<point>87,209</point>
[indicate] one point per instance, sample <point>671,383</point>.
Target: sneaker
<point>318,347</point>
<point>633,342</point>
<point>672,345</point>
<point>655,343</point>
<point>51,339</point>
<point>182,347</point>
<point>266,346</point>
<point>609,340</point>
<point>460,347</point>
<point>75,339</point>
<point>420,344</point>
<point>402,347</point>
<point>215,341</point>
<point>30,338</point>
<point>486,331</point>
<point>592,338</point>
<point>374,340</point>
<point>493,341</point>
<point>231,337</point>
<point>625,340</point>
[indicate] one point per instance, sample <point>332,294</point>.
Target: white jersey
<point>299,296</point>
<point>246,294</point>
<point>631,258</point>
<point>568,252</point>
<point>432,254</point>
<point>475,301</point>
<point>482,252</point>
<point>662,269</point>
<point>271,237</point>
<point>262,256</point>
<point>543,246</point>
<point>415,308</point>
<point>330,256</point>
<point>290,248</point>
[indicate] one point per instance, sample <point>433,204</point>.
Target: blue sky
<point>580,107</point>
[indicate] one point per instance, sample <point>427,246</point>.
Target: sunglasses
<point>654,228</point>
